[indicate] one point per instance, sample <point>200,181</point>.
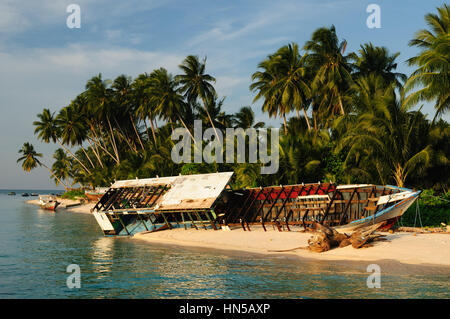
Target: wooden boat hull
<point>205,201</point>
<point>50,206</point>
<point>93,197</point>
<point>390,214</point>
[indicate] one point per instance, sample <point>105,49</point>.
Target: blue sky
<point>43,63</point>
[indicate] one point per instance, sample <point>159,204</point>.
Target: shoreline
<point>81,208</point>
<point>408,249</point>
<point>429,250</point>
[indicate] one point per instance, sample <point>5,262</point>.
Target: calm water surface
<point>36,247</point>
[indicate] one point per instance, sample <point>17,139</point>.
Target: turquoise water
<point>36,247</point>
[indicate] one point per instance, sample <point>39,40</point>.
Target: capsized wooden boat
<point>48,202</point>
<point>207,201</point>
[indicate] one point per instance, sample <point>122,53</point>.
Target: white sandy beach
<point>406,248</point>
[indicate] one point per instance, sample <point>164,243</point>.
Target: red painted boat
<point>48,202</point>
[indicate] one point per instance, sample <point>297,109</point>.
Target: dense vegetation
<point>348,117</point>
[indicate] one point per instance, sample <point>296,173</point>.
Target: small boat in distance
<point>34,194</point>
<point>25,194</point>
<point>11,193</point>
<point>48,202</point>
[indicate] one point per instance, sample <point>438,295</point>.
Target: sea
<point>42,251</point>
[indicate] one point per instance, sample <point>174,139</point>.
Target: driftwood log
<point>325,238</point>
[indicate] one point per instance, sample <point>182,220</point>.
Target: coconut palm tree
<point>165,96</point>
<point>72,128</point>
<point>124,119</point>
<point>331,67</point>
<point>80,107</point>
<point>61,168</point>
<point>141,97</point>
<point>245,118</point>
<point>291,81</point>
<point>30,160</point>
<point>384,143</point>
<point>48,131</point>
<point>195,83</point>
<point>263,83</point>
<point>99,96</point>
<point>215,113</point>
<point>432,74</point>
<point>377,60</point>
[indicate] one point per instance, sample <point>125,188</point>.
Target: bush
<point>433,211</point>
<point>73,194</point>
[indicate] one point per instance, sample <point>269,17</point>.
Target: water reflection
<point>36,247</point>
<point>102,256</point>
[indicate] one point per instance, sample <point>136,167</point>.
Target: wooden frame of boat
<point>207,201</point>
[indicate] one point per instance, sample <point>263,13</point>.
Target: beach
<point>407,248</point>
<point>403,247</point>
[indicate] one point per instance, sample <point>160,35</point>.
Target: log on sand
<point>325,238</point>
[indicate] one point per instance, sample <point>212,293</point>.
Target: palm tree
<point>81,108</point>
<point>141,97</point>
<point>125,111</point>
<point>262,83</point>
<point>61,168</point>
<point>384,141</point>
<point>165,97</point>
<point>291,83</point>
<point>245,118</point>
<point>378,61</point>
<point>48,131</point>
<point>99,96</point>
<point>432,74</point>
<point>331,67</point>
<point>195,83</point>
<point>72,128</point>
<point>214,113</point>
<point>30,160</point>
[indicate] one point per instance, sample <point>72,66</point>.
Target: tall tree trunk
<point>105,150</point>
<point>135,130</point>
<point>113,140</point>
<point>95,151</point>
<point>182,122</point>
<point>285,125</point>
<point>153,130</point>
<point>315,121</point>
<point>209,117</point>
<point>341,107</point>
<point>73,155</point>
<point>53,174</point>
<point>87,156</point>
<point>306,118</point>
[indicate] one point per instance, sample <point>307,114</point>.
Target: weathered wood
<point>325,238</point>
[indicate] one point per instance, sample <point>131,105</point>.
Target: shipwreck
<point>207,201</point>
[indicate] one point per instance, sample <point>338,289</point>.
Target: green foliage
<point>434,210</point>
<point>353,121</point>
<point>196,168</point>
<point>73,194</point>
